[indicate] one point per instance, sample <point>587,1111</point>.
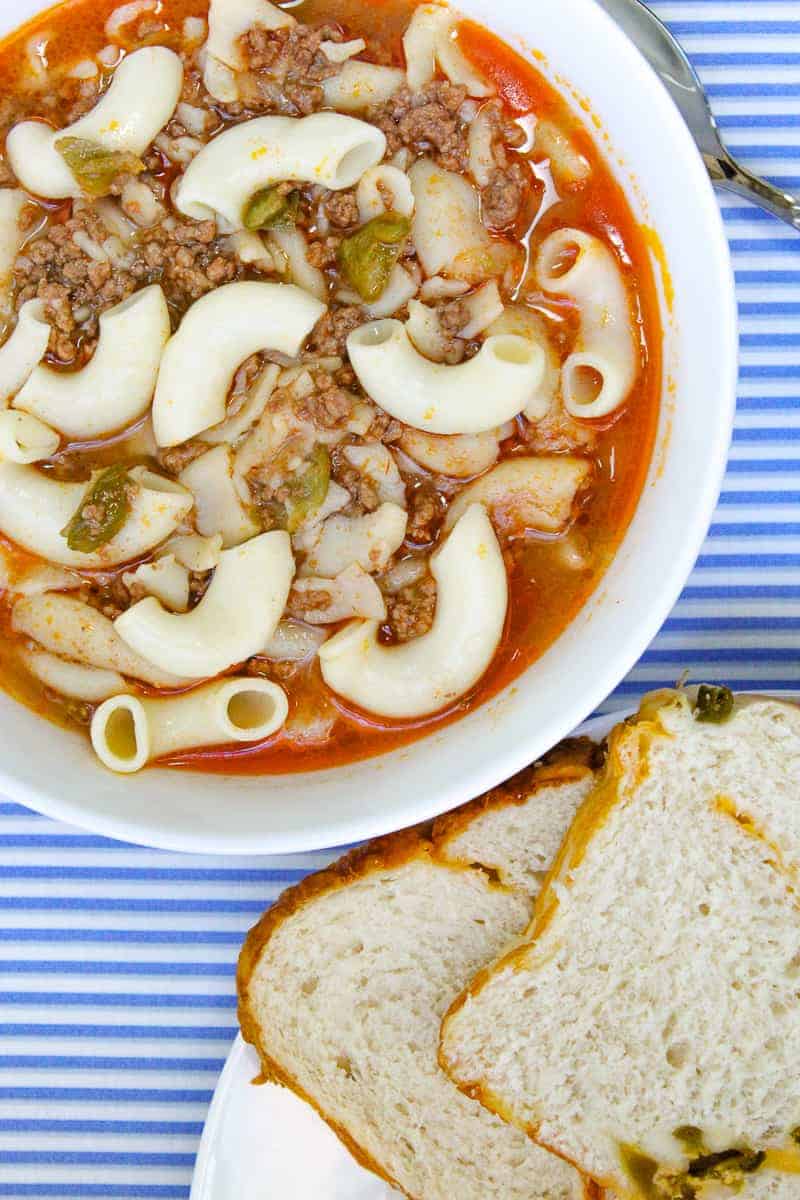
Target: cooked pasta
<point>352,593</point>
<point>429,42</point>
<point>130,731</point>
<point>597,377</point>
<point>329,373</point>
<point>325,148</point>
<point>526,493</point>
<point>447,231</point>
<point>359,85</point>
<point>79,682</point>
<point>141,99</point>
<point>384,188</point>
<point>472,397</point>
<point>70,628</point>
<point>425,674</point>
<point>23,349</point>
<point>233,621</point>
<point>116,386</point>
<point>340,541</point>
<point>461,456</point>
<point>165,578</point>
<point>218,333</point>
<point>218,504</point>
<point>12,202</point>
<point>35,510</point>
<point>228,21</point>
<point>25,439</point>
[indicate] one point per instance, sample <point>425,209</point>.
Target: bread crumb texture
<point>648,1026</point>
<point>344,982</point>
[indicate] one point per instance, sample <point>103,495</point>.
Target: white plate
<point>263,1143</point>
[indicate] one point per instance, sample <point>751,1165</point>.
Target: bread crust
<point>569,761</point>
<point>627,745</point>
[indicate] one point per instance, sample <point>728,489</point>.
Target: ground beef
<point>557,432</point>
<point>411,611</point>
<point>426,509</point>
<point>341,209</point>
<point>427,122</point>
<point>266,668</point>
<point>363,491</point>
<point>328,406</point>
<point>305,603</point>
<point>55,269</point>
<point>77,288</point>
<point>503,196</point>
<point>323,253</point>
<point>198,585</point>
<point>175,458</point>
<point>384,428</point>
<point>329,335</point>
<point>188,261</point>
<point>285,68</point>
<point>108,594</point>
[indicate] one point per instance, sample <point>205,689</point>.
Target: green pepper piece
<point>271,208</point>
<point>713,704</point>
<point>95,167</point>
<point>367,257</point>
<point>102,511</point>
<point>308,490</point>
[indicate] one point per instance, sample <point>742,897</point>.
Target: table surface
<point>117,964</point>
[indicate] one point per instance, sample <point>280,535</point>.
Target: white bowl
<point>53,771</point>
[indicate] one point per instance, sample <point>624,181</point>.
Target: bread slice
<point>344,982</point>
<point>647,1029</point>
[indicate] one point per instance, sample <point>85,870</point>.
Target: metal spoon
<point>677,74</point>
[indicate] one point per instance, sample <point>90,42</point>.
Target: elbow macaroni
<point>361,84</point>
<point>115,388</point>
<point>228,22</point>
<point>219,507</point>
<point>25,439</point>
<point>447,231</point>
<point>12,201</point>
<point>605,346</point>
<point>233,621</point>
<point>72,629</point>
<point>473,397</point>
<point>25,348</point>
<point>90,684</point>
<point>373,186</point>
<point>430,40</point>
<point>127,117</point>
<point>128,732</point>
<point>217,334</point>
<point>326,148</point>
<point>338,542</point>
<point>165,578</point>
<point>526,493</point>
<point>424,675</point>
<point>35,508</point>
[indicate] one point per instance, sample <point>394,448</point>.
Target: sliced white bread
<point>344,982</point>
<point>647,1028</point>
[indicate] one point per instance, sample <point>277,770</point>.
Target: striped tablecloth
<point>117,964</point>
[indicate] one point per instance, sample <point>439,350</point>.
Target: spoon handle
<point>727,173</point>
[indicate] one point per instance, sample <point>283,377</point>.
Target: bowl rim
<point>501,763</point>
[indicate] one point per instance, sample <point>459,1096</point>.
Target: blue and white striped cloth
<point>117,964</point>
